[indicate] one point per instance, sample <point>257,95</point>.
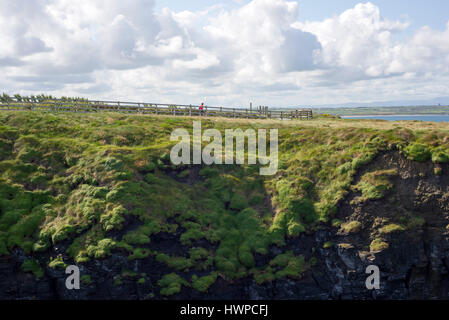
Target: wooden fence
<point>84,106</point>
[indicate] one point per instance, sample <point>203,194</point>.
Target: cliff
<point>99,192</point>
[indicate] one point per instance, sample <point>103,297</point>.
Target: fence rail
<point>84,106</point>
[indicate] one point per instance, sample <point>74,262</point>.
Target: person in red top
<point>201,108</point>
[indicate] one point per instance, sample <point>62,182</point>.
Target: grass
<point>374,185</point>
<point>81,179</point>
<point>378,245</point>
<point>328,245</point>
<point>171,284</point>
<point>391,228</point>
<point>33,266</point>
<point>351,227</point>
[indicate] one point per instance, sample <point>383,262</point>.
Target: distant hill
<point>393,103</point>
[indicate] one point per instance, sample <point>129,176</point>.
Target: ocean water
<point>431,118</point>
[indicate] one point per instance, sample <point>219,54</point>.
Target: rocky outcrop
<point>414,266</point>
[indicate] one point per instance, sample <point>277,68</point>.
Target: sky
<point>227,53</point>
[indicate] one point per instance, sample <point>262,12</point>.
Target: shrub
<point>102,249</point>
<point>378,245</point>
<point>262,276</point>
<point>391,228</point>
<point>304,209</point>
<point>351,227</point>
<point>136,237</point>
<point>86,279</point>
<point>114,219</point>
<point>290,265</point>
<point>374,185</point>
<point>245,256</point>
<point>32,265</point>
<point>328,244</point>
<point>294,229</point>
<point>209,172</point>
<point>202,284</point>
<point>256,200</point>
<point>139,253</point>
<point>177,263</point>
<point>418,152</point>
<point>57,262</point>
<point>171,284</point>
<point>440,156</point>
<point>238,202</point>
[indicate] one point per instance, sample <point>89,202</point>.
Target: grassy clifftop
<point>103,183</point>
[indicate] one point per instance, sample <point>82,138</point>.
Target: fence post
<point>156,110</point>
<point>234,112</point>
<point>190,110</point>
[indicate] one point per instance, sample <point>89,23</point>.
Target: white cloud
<point>260,51</point>
<point>359,39</point>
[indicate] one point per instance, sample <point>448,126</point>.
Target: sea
<point>425,117</point>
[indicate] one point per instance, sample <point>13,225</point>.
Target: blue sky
<point>269,52</point>
<point>433,13</point>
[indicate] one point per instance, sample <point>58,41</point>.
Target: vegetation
<point>33,266</point>
<point>378,245</point>
<point>374,185</point>
<point>103,183</point>
<point>351,227</point>
<point>171,284</point>
<point>391,228</point>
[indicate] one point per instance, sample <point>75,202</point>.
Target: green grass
<point>391,228</point>
<point>375,185</point>
<point>33,266</point>
<point>171,284</point>
<point>378,245</point>
<point>80,179</point>
<point>351,227</point>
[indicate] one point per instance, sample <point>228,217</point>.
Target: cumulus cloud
<point>260,51</point>
<point>359,39</point>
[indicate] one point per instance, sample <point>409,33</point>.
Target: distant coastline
<point>403,117</point>
<point>395,115</point>
<point>385,111</point>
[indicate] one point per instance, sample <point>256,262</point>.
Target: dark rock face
<point>414,266</point>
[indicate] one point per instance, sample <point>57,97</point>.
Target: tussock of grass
<point>171,284</point>
<point>33,266</point>
<point>351,227</point>
<point>374,185</point>
<point>391,228</point>
<point>378,245</point>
